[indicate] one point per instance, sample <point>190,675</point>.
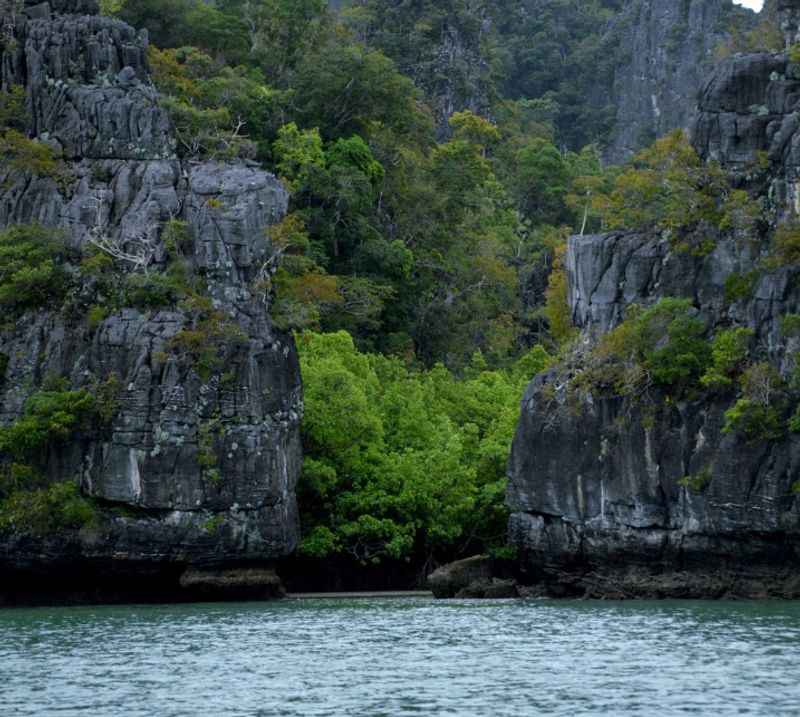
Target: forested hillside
<point>436,156</point>
<point>413,240</point>
<point>412,223</point>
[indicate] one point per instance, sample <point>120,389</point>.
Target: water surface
<point>402,657</point>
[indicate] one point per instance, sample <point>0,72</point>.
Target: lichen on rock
<point>646,489</point>
<point>208,356</point>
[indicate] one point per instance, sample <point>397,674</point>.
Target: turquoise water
<point>402,657</point>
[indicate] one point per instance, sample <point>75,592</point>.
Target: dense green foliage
<point>21,154</point>
<point>666,347</point>
<point>32,270</point>
<point>759,412</point>
<point>51,417</point>
<point>662,346</point>
<point>415,247</point>
<point>785,249</point>
<point>403,464</point>
<point>668,187</point>
<point>550,57</point>
<point>45,511</point>
<point>54,417</point>
<point>766,36</point>
<point>729,352</point>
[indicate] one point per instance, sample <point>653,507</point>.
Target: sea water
<point>402,656</point>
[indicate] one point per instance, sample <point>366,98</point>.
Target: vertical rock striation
<point>90,98</point>
<point>664,49</point>
<point>599,491</point>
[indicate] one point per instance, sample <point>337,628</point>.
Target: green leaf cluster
<point>21,154</point>
<point>32,272</point>
<point>758,414</point>
<point>209,339</point>
<point>47,511</point>
<point>729,352</point>
<point>662,346</point>
<point>51,418</point>
<point>403,464</point>
<point>785,249</point>
<point>667,187</point>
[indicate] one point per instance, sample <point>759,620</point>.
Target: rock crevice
<point>89,97</point>
<point>647,495</point>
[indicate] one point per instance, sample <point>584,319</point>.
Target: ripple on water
<point>402,657</point>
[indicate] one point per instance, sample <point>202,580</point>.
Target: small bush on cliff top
<point>794,421</point>
<point>30,156</point>
<point>753,420</point>
<point>210,340</point>
<point>757,414</point>
<point>729,352</point>
<point>766,36</point>
<point>663,346</point>
<point>20,153</point>
<point>740,287</point>
<point>12,108</point>
<point>697,482</point>
<point>790,325</point>
<point>668,187</point>
<point>785,249</point>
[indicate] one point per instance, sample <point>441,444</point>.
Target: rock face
<point>665,49</point>
<point>598,491</point>
<point>789,14</point>
<point>441,52</point>
<point>89,96</point>
<point>473,578</point>
<point>748,123</point>
<point>457,76</point>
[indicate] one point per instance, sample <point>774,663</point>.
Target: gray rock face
<point>666,49</point>
<point>458,79</point>
<point>453,578</point>
<point>789,13</point>
<point>88,88</point>
<point>609,273</point>
<point>748,122</point>
<point>597,491</point>
<point>596,483</point>
<point>454,72</point>
<point>90,95</point>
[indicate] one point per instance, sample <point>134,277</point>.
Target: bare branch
<point>139,251</point>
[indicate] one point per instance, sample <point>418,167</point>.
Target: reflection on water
<point>402,657</point>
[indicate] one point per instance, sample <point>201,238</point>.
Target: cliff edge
<point>190,453</point>
<point>626,485</point>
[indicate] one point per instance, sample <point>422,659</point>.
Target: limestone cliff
<point>647,495</point>
<point>620,82</point>
<point>158,504</point>
<point>664,50</point>
<point>440,46</point>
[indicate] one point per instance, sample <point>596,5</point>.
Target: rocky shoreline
<point>651,493</point>
<point>611,496</point>
<point>203,388</point>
